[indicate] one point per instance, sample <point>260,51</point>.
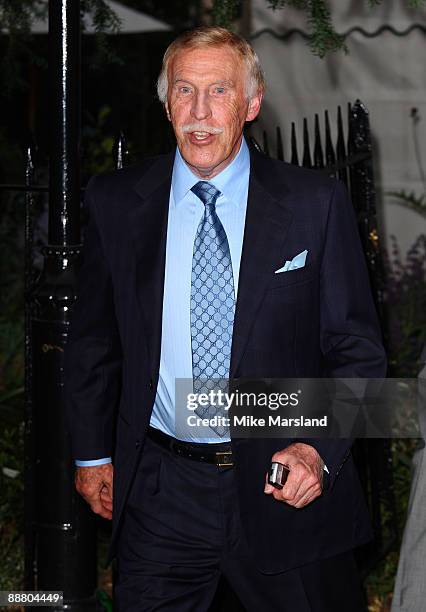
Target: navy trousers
<point>181,530</point>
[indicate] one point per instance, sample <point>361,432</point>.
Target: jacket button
<point>151,384</point>
<point>137,443</point>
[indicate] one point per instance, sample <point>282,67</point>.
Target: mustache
<point>198,127</point>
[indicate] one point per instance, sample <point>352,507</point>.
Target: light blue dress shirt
<point>185,213</point>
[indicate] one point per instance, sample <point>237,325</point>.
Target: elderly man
<point>184,277</point>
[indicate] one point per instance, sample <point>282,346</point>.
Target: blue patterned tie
<point>212,304</point>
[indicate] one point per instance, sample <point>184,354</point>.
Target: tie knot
<point>207,192</point>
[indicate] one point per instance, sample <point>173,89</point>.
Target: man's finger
<point>106,492</point>
<point>98,507</point>
<point>106,514</point>
<point>299,490</point>
<point>295,485</point>
<point>95,504</point>
<point>314,492</point>
<point>106,499</point>
<point>288,492</point>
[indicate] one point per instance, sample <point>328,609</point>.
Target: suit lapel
<point>266,226</point>
<point>148,228</point>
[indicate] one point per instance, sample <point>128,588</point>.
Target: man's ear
<point>166,108</point>
<point>254,106</point>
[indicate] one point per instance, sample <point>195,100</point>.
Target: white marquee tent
<point>385,68</point>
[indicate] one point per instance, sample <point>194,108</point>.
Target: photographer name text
<point>250,421</point>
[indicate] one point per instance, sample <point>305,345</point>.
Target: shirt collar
<point>229,181</point>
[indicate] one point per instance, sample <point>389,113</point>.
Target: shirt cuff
<point>93,462</point>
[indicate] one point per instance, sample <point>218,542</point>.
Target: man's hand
<point>304,482</point>
<point>94,484</point>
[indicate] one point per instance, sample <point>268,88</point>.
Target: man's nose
<point>201,107</point>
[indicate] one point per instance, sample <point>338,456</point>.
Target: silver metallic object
<point>278,474</point>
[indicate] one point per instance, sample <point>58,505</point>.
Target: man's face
<point>208,106</point>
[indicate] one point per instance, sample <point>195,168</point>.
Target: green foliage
<point>16,17</point>
<point>104,600</point>
<point>11,453</point>
<point>406,300</point>
<point>15,20</point>
<point>104,18</point>
<point>11,392</point>
<point>323,36</point>
<point>11,505</point>
<point>98,145</point>
<point>380,581</point>
<point>224,12</point>
<point>406,304</point>
<point>105,22</point>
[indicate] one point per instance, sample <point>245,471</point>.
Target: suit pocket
<point>148,473</point>
<point>291,277</point>
<point>146,489</point>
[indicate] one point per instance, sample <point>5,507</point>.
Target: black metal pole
<point>29,438</point>
<point>64,527</point>
<point>64,83</point>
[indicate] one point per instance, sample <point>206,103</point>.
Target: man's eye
<point>219,90</point>
<point>185,90</point>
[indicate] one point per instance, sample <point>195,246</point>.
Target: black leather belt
<point>219,454</point>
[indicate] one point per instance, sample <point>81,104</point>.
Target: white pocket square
<point>297,262</point>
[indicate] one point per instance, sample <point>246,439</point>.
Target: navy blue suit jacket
<point>317,321</point>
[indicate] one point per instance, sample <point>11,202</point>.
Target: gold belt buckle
<point>224,458</point>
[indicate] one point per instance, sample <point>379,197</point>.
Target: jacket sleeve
<point>92,356</point>
<point>351,341</point>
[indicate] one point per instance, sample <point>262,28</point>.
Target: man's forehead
<point>206,58</point>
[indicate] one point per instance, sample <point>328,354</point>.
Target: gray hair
<point>214,36</point>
